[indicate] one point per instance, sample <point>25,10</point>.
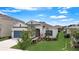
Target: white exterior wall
<point>12,34</point>
<point>19,24</point>
<point>43,31</point>
<point>18,28</point>
<point>55,32</point>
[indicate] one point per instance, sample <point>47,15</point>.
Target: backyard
<point>61,44</point>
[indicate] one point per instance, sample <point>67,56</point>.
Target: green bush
<point>25,41</point>
<point>75,33</point>
<point>5,38</point>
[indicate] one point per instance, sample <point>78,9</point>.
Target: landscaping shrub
<point>57,36</point>
<point>75,33</point>
<point>5,38</point>
<point>67,35</point>
<point>25,41</point>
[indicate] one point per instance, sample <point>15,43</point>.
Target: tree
<point>25,41</point>
<point>26,37</point>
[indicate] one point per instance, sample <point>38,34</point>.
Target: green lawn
<point>58,45</point>
<point>61,44</point>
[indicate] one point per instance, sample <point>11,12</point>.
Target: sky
<point>51,15</point>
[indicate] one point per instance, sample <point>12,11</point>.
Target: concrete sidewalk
<point>7,44</point>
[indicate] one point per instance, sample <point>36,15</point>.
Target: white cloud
<point>40,15</point>
<point>53,17</point>
<point>10,10</point>
<point>70,19</point>
<point>2,13</point>
<point>7,10</point>
<point>49,7</point>
<point>66,8</point>
<point>36,20</point>
<point>61,16</point>
<point>58,17</point>
<point>26,8</point>
<point>63,11</point>
<point>76,22</point>
<point>65,20</point>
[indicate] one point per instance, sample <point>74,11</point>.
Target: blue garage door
<point>17,34</point>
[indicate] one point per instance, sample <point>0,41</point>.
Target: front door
<point>37,32</point>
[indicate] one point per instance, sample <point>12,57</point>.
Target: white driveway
<point>7,44</point>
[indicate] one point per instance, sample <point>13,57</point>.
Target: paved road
<point>5,45</point>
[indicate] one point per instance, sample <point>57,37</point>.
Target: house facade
<point>60,28</point>
<point>73,31</point>
<point>6,24</point>
<point>17,30</point>
<point>43,29</point>
<point>67,29</point>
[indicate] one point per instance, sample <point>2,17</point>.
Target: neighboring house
<point>67,28</point>
<point>73,26</point>
<point>73,31</point>
<point>43,29</point>
<point>6,24</point>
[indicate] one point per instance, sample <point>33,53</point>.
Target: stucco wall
<point>55,32</point>
<point>43,31</point>
<point>18,27</point>
<point>6,25</point>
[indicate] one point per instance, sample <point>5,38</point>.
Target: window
<point>48,32</point>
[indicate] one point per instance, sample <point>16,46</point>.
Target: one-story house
<point>6,24</point>
<point>41,29</point>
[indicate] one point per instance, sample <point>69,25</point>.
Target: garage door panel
<point>17,34</point>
